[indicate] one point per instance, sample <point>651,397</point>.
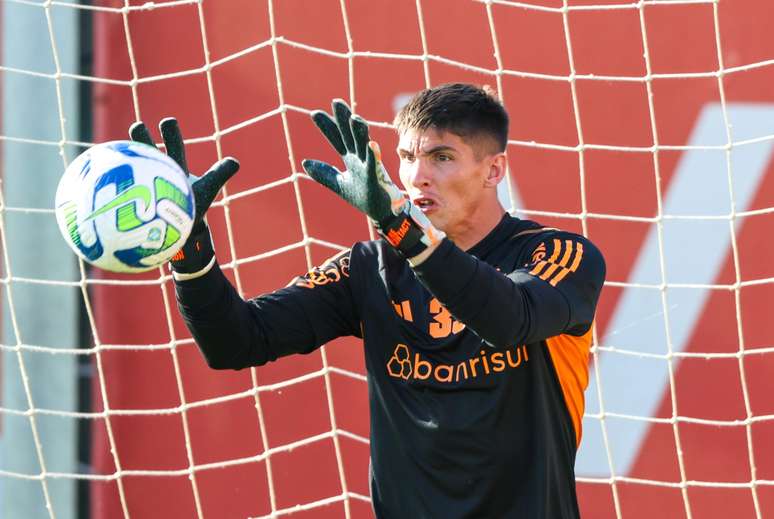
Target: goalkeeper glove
<point>366,185</point>
<point>197,256</point>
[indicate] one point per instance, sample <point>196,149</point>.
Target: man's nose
<point>420,174</point>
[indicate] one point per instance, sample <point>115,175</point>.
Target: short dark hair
<point>460,108</point>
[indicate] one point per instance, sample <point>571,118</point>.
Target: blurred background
<point>646,126</point>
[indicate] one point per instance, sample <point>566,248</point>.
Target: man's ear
<point>498,164</point>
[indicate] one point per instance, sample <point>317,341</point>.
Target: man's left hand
<point>366,185</point>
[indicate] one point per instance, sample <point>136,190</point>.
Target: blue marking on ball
<point>133,256</point>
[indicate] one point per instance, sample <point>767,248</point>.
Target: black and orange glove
<point>366,185</point>
<point>197,255</point>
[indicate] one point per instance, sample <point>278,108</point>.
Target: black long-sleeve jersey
<point>476,361</point>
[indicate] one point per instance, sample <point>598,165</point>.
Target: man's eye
<point>442,157</point>
<point>407,158</point>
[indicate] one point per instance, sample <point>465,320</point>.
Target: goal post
<point>647,126</point>
<point>39,375</point>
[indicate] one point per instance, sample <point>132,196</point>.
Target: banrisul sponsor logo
<point>411,365</point>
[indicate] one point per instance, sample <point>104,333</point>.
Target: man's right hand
<point>196,256</point>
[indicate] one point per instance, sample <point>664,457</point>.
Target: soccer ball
<point>124,206</point>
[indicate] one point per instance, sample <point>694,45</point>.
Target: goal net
<point>647,126</point>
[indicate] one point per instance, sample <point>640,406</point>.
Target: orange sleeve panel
<point>570,356</point>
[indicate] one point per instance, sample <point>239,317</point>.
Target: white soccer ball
<point>124,206</point>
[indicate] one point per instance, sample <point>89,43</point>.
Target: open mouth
<point>424,204</point>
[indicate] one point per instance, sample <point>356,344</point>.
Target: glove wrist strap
<point>403,233</point>
<point>196,257</point>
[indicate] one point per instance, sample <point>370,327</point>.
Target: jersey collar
<point>495,236</point>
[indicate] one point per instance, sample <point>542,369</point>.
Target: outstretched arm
<point>234,333</point>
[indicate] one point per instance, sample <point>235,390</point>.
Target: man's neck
<point>477,228</point>
<point>465,240</point>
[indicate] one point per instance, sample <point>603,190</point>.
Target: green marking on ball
<point>126,218</point>
<point>172,236</point>
<point>135,193</point>
<point>70,211</point>
<point>165,190</point>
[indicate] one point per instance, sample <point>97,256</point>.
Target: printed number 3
<point>444,324</point>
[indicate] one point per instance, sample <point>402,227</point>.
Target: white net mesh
<point>646,126</point>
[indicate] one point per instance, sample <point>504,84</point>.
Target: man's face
<point>445,178</point>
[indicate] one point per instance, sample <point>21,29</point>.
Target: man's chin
<point>437,221</point>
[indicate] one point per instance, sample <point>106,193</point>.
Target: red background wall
<point>152,375</point>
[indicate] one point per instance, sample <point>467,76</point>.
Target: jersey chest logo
<point>413,366</point>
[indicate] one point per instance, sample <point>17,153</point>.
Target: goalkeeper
<point>476,324</point>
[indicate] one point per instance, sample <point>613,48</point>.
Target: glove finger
<point>381,173</point>
<point>138,132</point>
<point>323,173</point>
<point>373,178</point>
<point>342,113</point>
<point>173,140</point>
<point>207,187</point>
<point>359,130</point>
<point>330,129</point>
<point>397,199</point>
<point>379,201</point>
